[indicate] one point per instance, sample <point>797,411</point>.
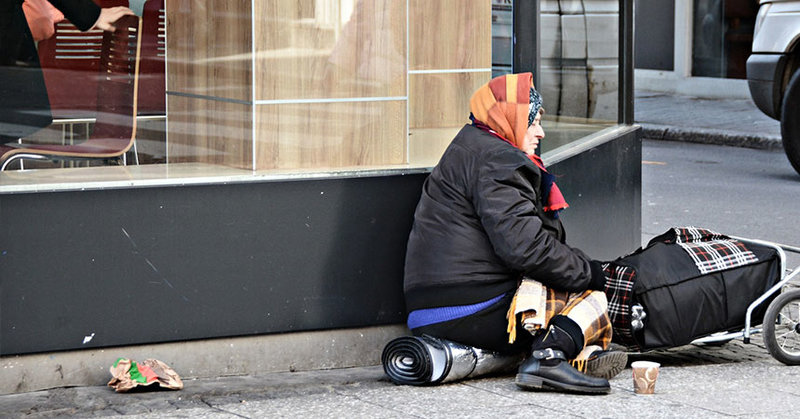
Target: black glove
<point>598,281</point>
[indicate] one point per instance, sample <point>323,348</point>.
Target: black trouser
<point>485,329</point>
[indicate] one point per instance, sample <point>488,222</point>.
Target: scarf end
<point>512,321</point>
<point>556,207</point>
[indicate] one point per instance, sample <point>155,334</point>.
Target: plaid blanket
<point>619,291</point>
<point>711,251</point>
<point>537,304</point>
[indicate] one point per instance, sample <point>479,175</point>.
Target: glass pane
<point>723,37</point>
<point>299,86</point>
<point>329,49</point>
<point>580,68</point>
<point>441,84</point>
<point>331,84</point>
<point>438,109</point>
<point>502,37</point>
<point>330,136</point>
<point>69,60</point>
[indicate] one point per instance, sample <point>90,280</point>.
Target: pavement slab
<point>731,122</point>
<point>734,379</point>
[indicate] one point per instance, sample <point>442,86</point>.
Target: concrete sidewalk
<point>732,380</point>
<point>731,122</point>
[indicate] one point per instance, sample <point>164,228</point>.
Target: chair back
<point>152,79</point>
<point>70,59</point>
<point>117,100</point>
<point>118,82</point>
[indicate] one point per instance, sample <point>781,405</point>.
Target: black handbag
<point>685,284</point>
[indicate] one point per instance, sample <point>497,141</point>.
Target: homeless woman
<point>487,265</point>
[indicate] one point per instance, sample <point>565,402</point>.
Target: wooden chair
<point>114,132</point>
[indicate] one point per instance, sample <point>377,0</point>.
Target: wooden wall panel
<point>209,48</point>
<point>438,106</point>
<point>450,34</point>
<point>330,135</point>
<point>441,100</point>
<point>444,35</point>
<point>210,131</point>
<point>309,49</point>
<point>306,50</point>
<point>426,145</point>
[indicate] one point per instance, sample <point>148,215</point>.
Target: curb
<point>711,136</point>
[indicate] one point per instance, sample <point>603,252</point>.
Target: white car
<point>772,69</point>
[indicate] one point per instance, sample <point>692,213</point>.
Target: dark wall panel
<point>654,35</point>
<point>89,269</point>
<point>603,187</point>
<point>165,264</point>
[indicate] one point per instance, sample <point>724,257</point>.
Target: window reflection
<point>279,86</point>
<point>723,37</point>
<point>502,36</point>
<point>69,61</point>
<point>580,68</point>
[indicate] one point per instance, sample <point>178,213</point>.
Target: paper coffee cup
<point>645,374</point>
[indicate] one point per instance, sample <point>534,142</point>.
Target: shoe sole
<point>532,382</point>
<point>608,365</point>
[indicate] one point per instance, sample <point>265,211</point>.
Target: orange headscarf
<point>502,104</point>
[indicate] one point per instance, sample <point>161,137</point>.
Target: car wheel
<point>790,121</point>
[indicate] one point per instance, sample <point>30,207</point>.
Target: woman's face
<point>533,135</point>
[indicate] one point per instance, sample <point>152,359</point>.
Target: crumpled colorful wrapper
<point>128,374</point>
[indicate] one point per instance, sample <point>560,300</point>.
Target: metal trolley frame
<point>781,325</point>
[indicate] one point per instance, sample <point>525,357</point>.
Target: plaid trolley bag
<point>685,284</point>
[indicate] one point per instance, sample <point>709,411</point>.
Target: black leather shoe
<point>548,369</point>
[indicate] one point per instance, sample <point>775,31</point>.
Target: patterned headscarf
<point>503,105</point>
<point>534,106</point>
<point>506,107</point>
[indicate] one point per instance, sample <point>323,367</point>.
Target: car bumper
<point>765,79</point>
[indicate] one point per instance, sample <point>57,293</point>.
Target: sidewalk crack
<point>215,408</point>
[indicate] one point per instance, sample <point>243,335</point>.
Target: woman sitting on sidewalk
<point>487,219</point>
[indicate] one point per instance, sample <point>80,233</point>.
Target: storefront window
<point>502,37</point>
<point>294,87</point>
<point>723,37</point>
<point>69,61</point>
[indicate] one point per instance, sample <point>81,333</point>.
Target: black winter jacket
<point>479,226</point>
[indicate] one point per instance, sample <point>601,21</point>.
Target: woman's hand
<point>110,15</point>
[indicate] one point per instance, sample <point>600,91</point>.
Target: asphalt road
<point>737,191</point>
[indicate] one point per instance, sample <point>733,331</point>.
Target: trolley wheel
<point>782,328</point>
